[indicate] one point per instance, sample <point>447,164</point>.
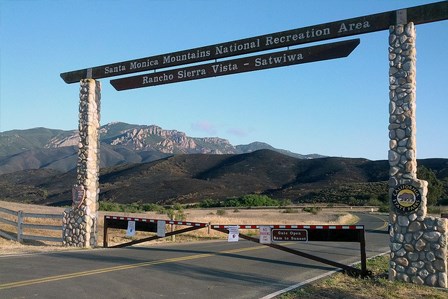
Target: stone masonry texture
<point>80,221</point>
<point>417,242</point>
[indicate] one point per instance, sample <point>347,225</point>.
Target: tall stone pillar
<point>80,221</point>
<point>417,242</point>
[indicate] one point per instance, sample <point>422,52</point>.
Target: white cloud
<point>239,132</point>
<point>204,126</point>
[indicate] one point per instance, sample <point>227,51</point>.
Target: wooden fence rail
<point>20,225</point>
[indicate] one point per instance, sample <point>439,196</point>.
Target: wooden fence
<point>20,225</point>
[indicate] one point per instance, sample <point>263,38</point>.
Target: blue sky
<point>334,108</point>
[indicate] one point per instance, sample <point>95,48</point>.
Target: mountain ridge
<point>148,164</point>
<point>191,178</point>
<point>121,143</point>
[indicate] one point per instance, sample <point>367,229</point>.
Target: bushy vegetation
<point>384,208</point>
<point>221,212</point>
<point>247,201</point>
<point>312,210</point>
<point>437,193</point>
<point>377,193</point>
<point>130,208</point>
<point>250,200</point>
<point>176,213</point>
<point>355,194</point>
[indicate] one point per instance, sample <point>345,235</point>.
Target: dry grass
<point>214,216</point>
<point>377,286</point>
<point>14,247</point>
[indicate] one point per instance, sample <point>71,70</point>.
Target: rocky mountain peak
<point>120,143</point>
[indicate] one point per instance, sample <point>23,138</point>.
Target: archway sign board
<point>241,65</point>
<point>418,243</point>
<point>343,28</point>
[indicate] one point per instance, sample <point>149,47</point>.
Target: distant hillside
<point>255,146</point>
<point>17,141</point>
<point>121,143</point>
<point>195,177</point>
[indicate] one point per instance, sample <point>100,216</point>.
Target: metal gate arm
<point>348,269</point>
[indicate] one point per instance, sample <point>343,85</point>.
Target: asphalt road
<point>216,269</point>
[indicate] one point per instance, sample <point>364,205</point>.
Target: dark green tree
<point>435,186</point>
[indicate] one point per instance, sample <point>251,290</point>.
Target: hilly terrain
<point>192,178</point>
<point>147,164</point>
<point>121,143</point>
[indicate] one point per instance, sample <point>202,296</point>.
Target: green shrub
<point>290,210</point>
<point>255,200</point>
<point>374,202</point>
<point>135,207</point>
<point>250,200</point>
<point>285,202</point>
<point>221,212</point>
<point>109,206</point>
<point>312,210</point>
<point>232,202</point>
<point>176,214</point>
<point>384,208</point>
<point>178,206</point>
<point>434,209</point>
<point>435,186</point>
<point>153,207</point>
<point>209,203</point>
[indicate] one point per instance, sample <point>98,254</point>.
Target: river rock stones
<point>417,243</point>
<point>80,221</point>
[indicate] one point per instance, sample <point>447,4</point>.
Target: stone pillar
<point>417,242</point>
<point>80,221</point>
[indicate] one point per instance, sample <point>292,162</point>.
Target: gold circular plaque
<point>406,198</point>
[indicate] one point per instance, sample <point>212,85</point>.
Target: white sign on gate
<point>265,234</point>
<point>234,234</point>
<point>161,228</point>
<point>131,229</point>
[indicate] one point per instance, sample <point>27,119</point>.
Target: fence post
<point>19,226</point>
<point>105,237</point>
<point>173,228</point>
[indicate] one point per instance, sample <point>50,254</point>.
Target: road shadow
<point>120,256</point>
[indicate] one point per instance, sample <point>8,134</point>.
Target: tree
<point>435,186</point>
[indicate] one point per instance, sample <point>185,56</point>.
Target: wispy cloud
<point>239,132</point>
<point>204,126</point>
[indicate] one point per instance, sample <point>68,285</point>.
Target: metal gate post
<point>19,226</point>
<point>105,236</point>
<point>362,242</point>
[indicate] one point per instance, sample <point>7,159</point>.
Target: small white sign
<point>265,234</point>
<point>234,234</point>
<point>131,229</point>
<point>161,228</point>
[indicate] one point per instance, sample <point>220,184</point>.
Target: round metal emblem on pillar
<point>406,198</point>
